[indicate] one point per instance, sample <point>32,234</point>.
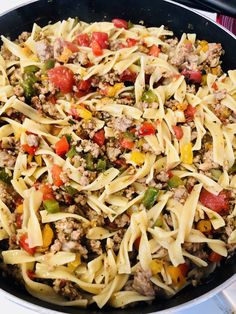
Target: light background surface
<point>210,306</point>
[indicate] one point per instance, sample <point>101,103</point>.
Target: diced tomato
<point>31,274</point>
<point>71,46</point>
<point>131,42</point>
<point>62,78</point>
<point>215,86</point>
<point>128,76</point>
<point>84,85</point>
<point>99,137</point>
<point>24,244</point>
<point>82,40</point>
<point>96,48</point>
<point>126,143</point>
<point>120,163</point>
<point>218,203</point>
<point>154,51</point>
<point>192,76</point>
<point>56,172</point>
<point>119,23</point>
<point>170,173</point>
<point>215,257</point>
<point>184,268</point>
<point>189,113</point>
<point>47,191</point>
<point>178,132</point>
<point>147,128</point>
<point>62,146</point>
<point>137,243</point>
<point>101,38</point>
<point>19,220</point>
<point>29,149</point>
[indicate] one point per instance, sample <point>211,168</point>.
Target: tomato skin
<point>84,85</point>
<point>184,268</point>
<point>189,113</point>
<point>47,191</point>
<point>126,143</point>
<point>62,78</point>
<point>192,76</point>
<point>96,48</point>
<point>131,42</point>
<point>215,257</point>
<point>29,149</point>
<point>71,46</point>
<point>62,146</point>
<point>56,172</point>
<point>99,137</point>
<point>119,23</point>
<point>154,51</point>
<point>101,38</point>
<point>218,203</point>
<point>30,274</point>
<point>147,128</point>
<point>25,245</point>
<point>178,132</point>
<point>82,40</point>
<point>128,76</point>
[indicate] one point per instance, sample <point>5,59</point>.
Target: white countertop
<point>213,305</point>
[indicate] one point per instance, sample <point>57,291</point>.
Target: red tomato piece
<point>101,38</point>
<point>24,244</point>
<point>99,137</point>
<point>119,23</point>
<point>62,146</point>
<point>215,257</point>
<point>84,85</point>
<point>96,48</point>
<point>137,243</point>
<point>131,42</point>
<point>192,76</point>
<point>29,149</point>
<point>126,143</point>
<point>128,76</point>
<point>82,40</point>
<point>19,220</point>
<point>184,268</point>
<point>71,46</point>
<point>154,51</point>
<point>62,78</point>
<point>47,191</point>
<point>218,203</point>
<point>56,173</point>
<point>178,132</point>
<point>147,128</point>
<point>215,86</point>
<point>190,112</point>
<point>120,163</point>
<point>31,274</point>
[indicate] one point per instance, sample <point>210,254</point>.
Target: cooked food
<point>117,156</point>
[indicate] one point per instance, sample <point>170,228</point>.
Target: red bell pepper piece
<point>215,257</point>
<point>119,23</point>
<point>154,51</point>
<point>71,46</point>
<point>56,172</point>
<point>131,42</point>
<point>29,149</point>
<point>137,243</point>
<point>126,143</point>
<point>147,128</point>
<point>47,191</point>
<point>24,244</point>
<point>218,203</point>
<point>184,268</point>
<point>31,274</point>
<point>62,146</point>
<point>99,137</point>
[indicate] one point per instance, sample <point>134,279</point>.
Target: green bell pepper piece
<point>149,97</point>
<point>4,176</point>
<point>51,206</point>
<point>150,197</point>
<point>72,152</point>
<point>101,165</point>
<point>175,182</point>
<point>89,162</point>
<point>31,69</point>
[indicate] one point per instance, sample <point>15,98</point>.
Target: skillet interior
<point>153,13</point>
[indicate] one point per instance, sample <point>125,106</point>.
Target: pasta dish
<point>117,162</point>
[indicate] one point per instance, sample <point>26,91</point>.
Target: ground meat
<point>96,246</point>
<point>197,249</point>
<point>162,176</point>
<point>44,50</point>
<point>88,146</point>
<point>6,159</point>
<point>214,53</point>
<point>180,194</point>
<point>56,246</point>
<point>51,110</point>
<point>23,37</point>
<point>208,162</point>
<point>5,194</point>
<point>142,283</point>
<point>80,57</point>
<point>7,55</point>
<point>121,124</point>
<point>58,48</point>
<point>67,289</point>
<point>92,216</point>
<point>113,152</point>
<point>32,140</point>
<point>122,220</point>
<point>117,238</point>
<point>111,77</point>
<point>9,142</point>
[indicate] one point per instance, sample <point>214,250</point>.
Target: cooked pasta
<point>117,162</point>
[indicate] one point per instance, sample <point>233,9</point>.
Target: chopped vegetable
<point>82,40</point>
<point>111,91</point>
<point>147,129</point>
<point>176,275</point>
<point>56,172</point>
<point>72,152</point>
<point>49,64</point>
<point>150,197</point>
<point>47,191</point>
<point>218,203</point>
<point>127,143</point>
<point>184,268</point>
<point>149,97</point>
<point>83,85</point>
<point>28,85</point>
<point>96,48</point>
<point>19,209</point>
<point>24,244</point>
<point>156,266</point>
<point>71,46</point>
<point>189,113</point>
<point>119,23</point>
<point>215,257</point>
<point>178,131</point>
<point>83,113</point>
<point>216,173</point>
<point>137,157</point>
<point>101,165</point>
<point>31,274</point>
<point>154,51</point>
<point>186,154</point>
<point>131,42</point>
<point>204,225</point>
<point>29,149</point>
<point>47,235</point>
<point>128,76</point>
<point>101,38</point>
<point>89,162</point>
<point>130,24</point>
<point>73,265</point>
<point>4,176</point>
<point>192,76</point>
<point>19,220</point>
<point>31,69</point>
<point>51,206</point>
<point>62,77</point>
<point>99,137</point>
<point>62,146</point>
<point>175,182</point>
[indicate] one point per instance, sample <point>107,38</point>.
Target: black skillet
<point>153,13</point>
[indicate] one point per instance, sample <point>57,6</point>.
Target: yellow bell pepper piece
<point>64,57</point>
<point>182,106</point>
<point>111,91</point>
<point>19,209</point>
<point>29,158</point>
<point>48,235</point>
<point>176,275</point>
<point>204,225</point>
<point>84,113</point>
<point>186,154</point>
<point>204,45</point>
<point>73,265</point>
<point>204,79</point>
<point>156,266</point>
<point>137,157</point>
<point>38,159</point>
<point>216,71</point>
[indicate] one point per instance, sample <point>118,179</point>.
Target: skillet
<point>153,13</point>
